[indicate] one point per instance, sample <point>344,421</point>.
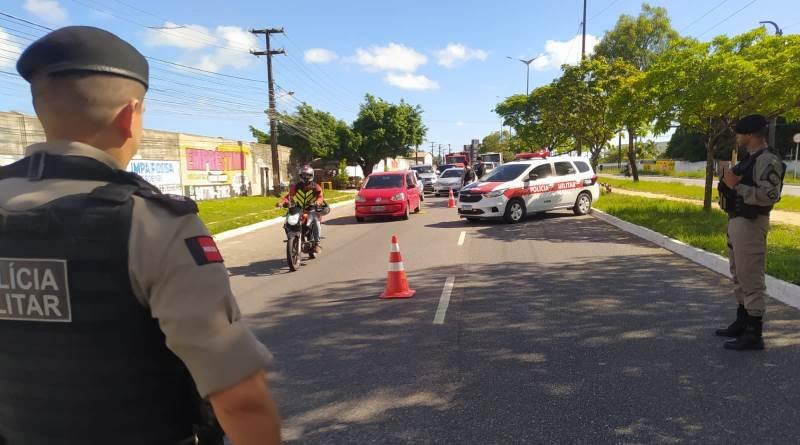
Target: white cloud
<point>410,81</point>
<point>180,36</point>
<point>393,57</point>
<point>9,50</point>
<point>460,124</point>
<point>319,55</point>
<point>47,10</point>
<point>560,53</point>
<point>206,49</point>
<point>457,52</point>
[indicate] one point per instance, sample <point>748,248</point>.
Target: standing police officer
<point>747,194</point>
<point>116,312</point>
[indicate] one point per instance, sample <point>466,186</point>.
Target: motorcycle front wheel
<point>293,253</point>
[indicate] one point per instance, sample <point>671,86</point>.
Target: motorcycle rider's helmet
<point>306,174</point>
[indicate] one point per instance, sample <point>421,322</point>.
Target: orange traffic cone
<point>396,282</point>
<point>452,201</point>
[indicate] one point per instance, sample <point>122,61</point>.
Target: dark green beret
<point>83,48</point>
<point>751,124</point>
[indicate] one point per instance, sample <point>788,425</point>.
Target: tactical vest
<point>305,195</point>
<point>81,360</point>
<point>731,202</point>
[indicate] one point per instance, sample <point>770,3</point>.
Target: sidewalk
<point>776,216</point>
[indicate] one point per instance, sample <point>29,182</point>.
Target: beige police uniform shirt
<point>767,179</point>
<point>194,304</point>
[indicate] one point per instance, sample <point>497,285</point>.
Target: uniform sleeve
<point>767,178</point>
<point>176,273</point>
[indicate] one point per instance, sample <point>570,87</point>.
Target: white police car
<point>535,183</point>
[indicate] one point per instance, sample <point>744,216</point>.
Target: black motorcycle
<point>299,238</point>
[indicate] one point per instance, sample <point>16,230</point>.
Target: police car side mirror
<point>533,177</point>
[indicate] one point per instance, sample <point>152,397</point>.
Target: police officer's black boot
<point>737,327</point>
<point>750,338</point>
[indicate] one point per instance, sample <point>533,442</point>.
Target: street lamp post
<point>527,62</point>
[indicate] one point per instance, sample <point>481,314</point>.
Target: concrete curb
<point>228,234</point>
<point>780,290</point>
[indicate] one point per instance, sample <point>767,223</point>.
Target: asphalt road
<point>562,329</point>
<point>788,189</point>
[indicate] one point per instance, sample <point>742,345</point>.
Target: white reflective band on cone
<point>395,248</point>
<point>396,267</point>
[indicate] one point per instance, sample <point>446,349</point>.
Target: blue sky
<point>447,56</point>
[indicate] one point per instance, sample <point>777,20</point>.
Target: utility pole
<point>271,113</point>
<point>583,39</point>
<point>773,122</point>
<point>619,147</point>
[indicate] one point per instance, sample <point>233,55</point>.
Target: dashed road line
<point>444,301</point>
<point>462,238</point>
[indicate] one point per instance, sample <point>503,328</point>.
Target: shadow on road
<point>351,220</point>
<point>613,349</point>
<point>262,268</point>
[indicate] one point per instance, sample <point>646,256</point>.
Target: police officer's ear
<point>128,119</point>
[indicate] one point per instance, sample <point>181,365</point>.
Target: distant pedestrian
<point>747,193</point>
<point>469,174</point>
<point>480,168</point>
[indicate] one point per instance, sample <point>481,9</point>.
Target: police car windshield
<point>506,172</point>
<point>453,173</point>
<point>423,169</point>
<point>384,182</point>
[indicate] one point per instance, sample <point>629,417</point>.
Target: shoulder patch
<point>204,250</point>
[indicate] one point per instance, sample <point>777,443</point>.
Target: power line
<point>603,10</point>
<point>25,21</point>
<point>727,18</point>
<point>704,15</point>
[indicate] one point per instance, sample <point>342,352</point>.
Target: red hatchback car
<point>388,194</point>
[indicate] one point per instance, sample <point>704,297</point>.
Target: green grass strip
<point>221,215</point>
<point>787,203</point>
<point>688,223</point>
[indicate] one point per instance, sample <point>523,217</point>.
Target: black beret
<point>83,48</point>
<point>751,124</point>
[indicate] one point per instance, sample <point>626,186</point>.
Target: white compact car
<point>513,190</point>
<point>450,179</point>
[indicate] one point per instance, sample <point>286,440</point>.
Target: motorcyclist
<point>307,193</point>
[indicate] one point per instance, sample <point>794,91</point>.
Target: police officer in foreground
<point>747,193</point>
<point>116,313</point>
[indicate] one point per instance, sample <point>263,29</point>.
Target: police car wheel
<point>583,205</point>
<point>515,211</point>
<point>405,215</point>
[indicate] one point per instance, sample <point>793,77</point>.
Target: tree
<point>687,145</point>
<point>380,131</point>
<point>493,143</point>
<point>309,132</point>
<point>586,90</point>
<point>638,41</point>
<point>537,120</point>
<point>706,87</point>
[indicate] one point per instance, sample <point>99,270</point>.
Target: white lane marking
<point>444,301</point>
<point>461,238</point>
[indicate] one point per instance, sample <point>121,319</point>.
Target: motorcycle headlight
<point>293,219</point>
<point>399,197</point>
<point>494,193</point>
<point>360,198</point>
